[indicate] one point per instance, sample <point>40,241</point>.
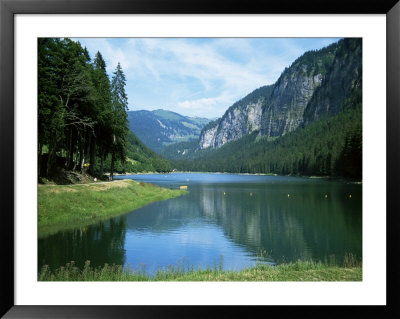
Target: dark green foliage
<point>329,147</point>
<point>182,150</point>
<point>349,164</point>
<point>65,100</point>
<point>328,139</point>
<point>211,124</point>
<point>147,160</point>
<point>160,128</point>
<point>118,120</point>
<point>314,61</point>
<point>261,94</point>
<point>82,117</point>
<point>282,103</point>
<point>341,84</point>
<point>140,159</point>
<point>291,93</point>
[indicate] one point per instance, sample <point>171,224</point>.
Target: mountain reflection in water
<point>223,217</point>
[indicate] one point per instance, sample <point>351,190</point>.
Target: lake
<point>226,219</point>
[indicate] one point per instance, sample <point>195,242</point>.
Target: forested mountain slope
<point>331,146</point>
<point>308,123</point>
<point>315,85</point>
<point>160,128</point>
<point>139,159</point>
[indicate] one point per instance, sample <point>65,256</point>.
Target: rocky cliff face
<point>242,118</point>
<point>343,82</point>
<point>288,101</point>
<point>315,85</point>
<point>235,123</point>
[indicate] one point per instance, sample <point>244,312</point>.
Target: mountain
<point>139,159</point>
<point>331,146</point>
<point>160,127</point>
<point>341,88</point>
<point>240,119</point>
<point>295,99</point>
<point>309,122</point>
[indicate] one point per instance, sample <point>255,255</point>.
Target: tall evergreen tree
<point>82,118</point>
<point>119,118</point>
<point>48,104</point>
<point>64,97</point>
<point>103,109</point>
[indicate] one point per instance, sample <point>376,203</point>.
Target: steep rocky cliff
<point>294,89</point>
<point>341,88</point>
<point>316,84</point>
<point>240,119</point>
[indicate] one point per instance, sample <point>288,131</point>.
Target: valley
<point>160,128</point>
<point>269,190</point>
<point>308,123</point>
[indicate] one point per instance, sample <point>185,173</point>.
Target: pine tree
<point>119,117</point>
<point>103,108</point>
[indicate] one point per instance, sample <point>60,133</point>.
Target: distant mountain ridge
<point>317,84</point>
<point>160,128</point>
<point>308,123</point>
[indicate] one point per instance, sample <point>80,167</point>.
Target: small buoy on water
<point>251,194</point>
<point>224,193</point>
<point>350,196</point>
<point>288,195</point>
<point>326,196</point>
<point>187,179</point>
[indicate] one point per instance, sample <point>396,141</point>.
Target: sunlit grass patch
<point>69,206</point>
<point>295,271</point>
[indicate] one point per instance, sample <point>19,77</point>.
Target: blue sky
<point>197,76</point>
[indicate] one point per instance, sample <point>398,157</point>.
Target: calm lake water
<point>234,219</point>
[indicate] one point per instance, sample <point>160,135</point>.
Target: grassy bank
<point>63,207</point>
<point>297,271</point>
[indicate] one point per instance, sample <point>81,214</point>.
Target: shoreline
<point>333,178</point>
<point>65,207</point>
<point>295,271</point>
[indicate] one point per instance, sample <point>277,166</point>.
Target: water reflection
<point>237,218</point>
<point>302,225</point>
<point>101,243</point>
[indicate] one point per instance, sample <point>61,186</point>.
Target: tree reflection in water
<point>100,243</point>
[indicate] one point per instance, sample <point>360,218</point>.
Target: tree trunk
<point>75,157</point>
<point>40,159</point>
<point>52,156</point>
<point>87,148</point>
<point>68,160</point>
<point>81,154</point>
<point>112,166</point>
<point>92,156</point>
<point>103,154</point>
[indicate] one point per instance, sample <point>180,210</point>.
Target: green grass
<point>297,271</point>
<point>69,206</point>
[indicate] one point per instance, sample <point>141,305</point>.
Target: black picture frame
<point>8,8</point>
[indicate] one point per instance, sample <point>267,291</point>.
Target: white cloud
<point>208,107</point>
<point>200,103</point>
<point>195,74</point>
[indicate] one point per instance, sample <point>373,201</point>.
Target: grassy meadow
<point>296,271</point>
<point>63,207</point>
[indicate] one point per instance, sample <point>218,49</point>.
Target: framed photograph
<point>222,71</point>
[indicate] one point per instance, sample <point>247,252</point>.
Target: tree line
<point>140,158</point>
<point>81,112</point>
<point>331,146</point>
